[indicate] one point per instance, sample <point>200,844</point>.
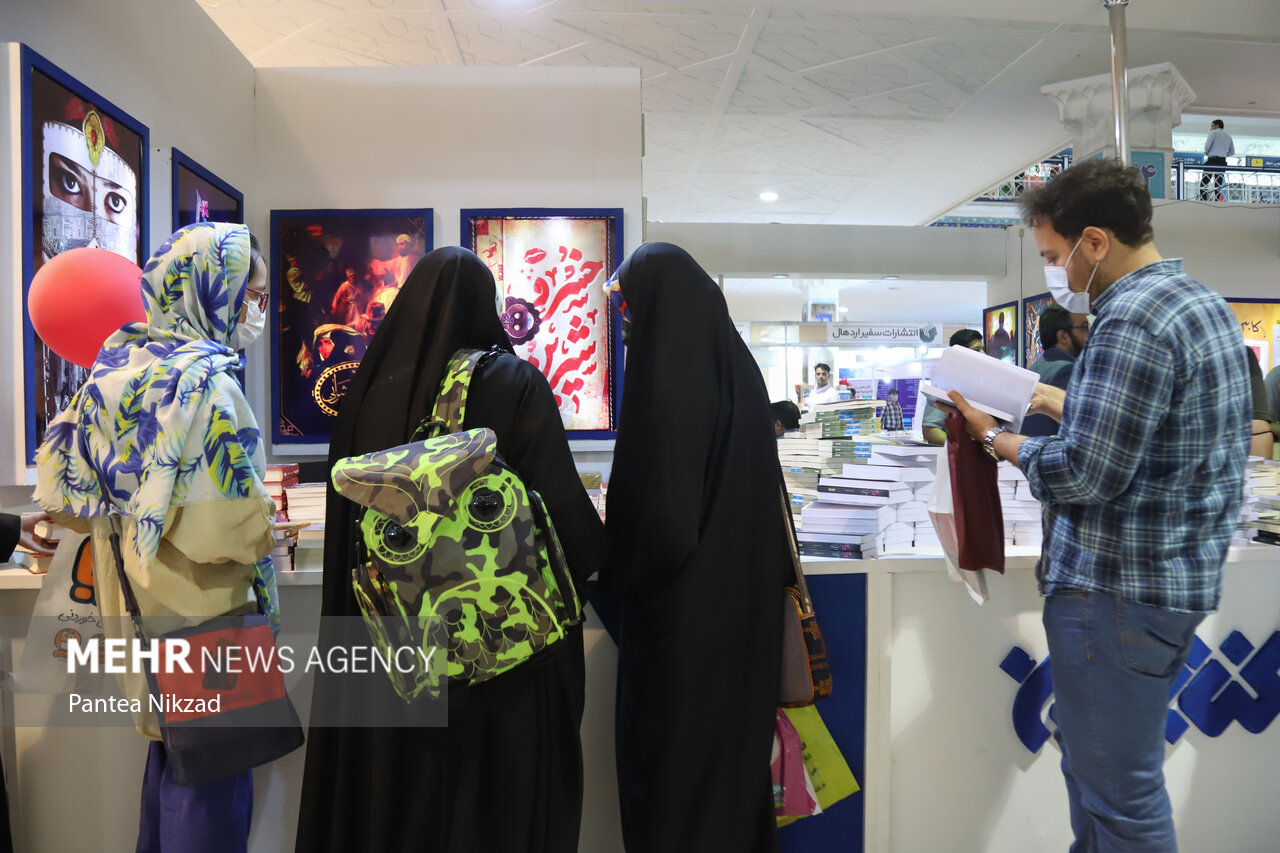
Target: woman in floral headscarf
<point>162,438</point>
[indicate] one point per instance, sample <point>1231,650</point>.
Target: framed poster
<point>1000,331</point>
<point>335,273</point>
<point>1032,308</point>
<point>550,266</point>
<point>1260,327</point>
<point>201,196</point>
<point>84,183</point>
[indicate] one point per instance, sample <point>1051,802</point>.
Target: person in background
<point>891,416</point>
<point>1262,442</point>
<point>786,417</point>
<point>698,531</point>
<point>1218,146</point>
<point>17,530</point>
<point>825,392</point>
<point>1062,336</point>
<point>933,420</point>
<point>1273,404</point>
<point>1141,491</point>
<point>160,445</point>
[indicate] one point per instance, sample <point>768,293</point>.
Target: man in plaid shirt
<point>891,415</point>
<point>1141,489</point>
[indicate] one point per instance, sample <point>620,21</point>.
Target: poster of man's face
<point>86,174</point>
<point>550,270</point>
<point>337,273</point>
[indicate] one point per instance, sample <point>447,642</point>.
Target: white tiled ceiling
<point>851,114</point>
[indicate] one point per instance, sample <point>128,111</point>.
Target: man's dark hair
<point>1054,319</point>
<point>1103,193</point>
<point>822,365</point>
<point>1217,122</point>
<point>964,337</point>
<point>787,412</point>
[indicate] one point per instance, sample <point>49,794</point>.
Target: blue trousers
<point>1114,663</point>
<point>209,818</point>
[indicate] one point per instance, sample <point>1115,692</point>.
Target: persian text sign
<point>881,333</point>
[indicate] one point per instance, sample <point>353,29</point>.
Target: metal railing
<point>1191,182</point>
<point>1030,178</point>
<point>1240,184</point>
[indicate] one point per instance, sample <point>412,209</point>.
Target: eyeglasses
<point>261,295</point>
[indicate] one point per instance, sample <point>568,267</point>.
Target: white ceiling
<point>850,114</point>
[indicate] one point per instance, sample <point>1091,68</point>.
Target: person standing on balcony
<point>1218,146</point>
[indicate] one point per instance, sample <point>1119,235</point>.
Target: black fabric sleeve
<point>511,397</point>
<point>10,529</point>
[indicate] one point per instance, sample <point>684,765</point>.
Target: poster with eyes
<point>1000,331</point>
<point>1032,308</point>
<point>550,267</point>
<point>336,272</point>
<point>84,183</point>
<point>201,196</point>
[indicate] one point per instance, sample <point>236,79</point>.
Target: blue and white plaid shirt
<point>1142,485</point>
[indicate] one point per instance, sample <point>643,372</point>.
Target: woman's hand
<point>28,538</point>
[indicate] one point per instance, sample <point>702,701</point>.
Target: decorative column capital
<point>1157,95</point>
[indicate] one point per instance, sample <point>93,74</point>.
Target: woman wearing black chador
<point>699,555</point>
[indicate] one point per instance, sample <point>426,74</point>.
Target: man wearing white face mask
<point>1141,491</point>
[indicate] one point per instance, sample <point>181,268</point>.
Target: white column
<point>1157,96</point>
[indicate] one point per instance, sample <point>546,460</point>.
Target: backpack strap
<point>450,410</point>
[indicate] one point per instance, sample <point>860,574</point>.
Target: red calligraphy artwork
<point>550,273</point>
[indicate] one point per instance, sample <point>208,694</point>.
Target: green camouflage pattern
<point>459,556</point>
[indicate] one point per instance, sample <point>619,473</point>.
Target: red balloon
<point>78,298</point>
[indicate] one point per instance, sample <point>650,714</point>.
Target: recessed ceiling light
<point>889,277</point>
<point>768,195</point>
<point>844,310</point>
<point>781,275</point>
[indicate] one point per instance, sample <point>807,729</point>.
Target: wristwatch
<point>988,442</point>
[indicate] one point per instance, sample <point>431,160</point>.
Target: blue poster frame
<point>617,353</point>
<point>182,161</point>
<point>316,441</point>
<point>31,61</point>
<point>1029,342</point>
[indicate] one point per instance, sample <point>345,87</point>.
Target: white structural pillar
<point>1157,95</point>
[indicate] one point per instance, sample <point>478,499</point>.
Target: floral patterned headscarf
<point>161,422</point>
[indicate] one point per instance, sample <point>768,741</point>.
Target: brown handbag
<point>806,675</point>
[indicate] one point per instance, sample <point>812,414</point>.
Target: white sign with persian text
<point>883,333</point>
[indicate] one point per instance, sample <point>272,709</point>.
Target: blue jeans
<point>1114,663</point>
<point>209,818</point>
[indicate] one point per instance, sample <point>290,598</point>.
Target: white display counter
<point>944,769</point>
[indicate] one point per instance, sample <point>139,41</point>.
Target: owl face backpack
<point>455,556</point>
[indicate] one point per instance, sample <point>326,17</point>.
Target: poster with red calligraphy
<point>550,267</point>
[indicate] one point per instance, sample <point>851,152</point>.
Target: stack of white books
<point>916,464</point>
<point>306,506</point>
<point>1260,506</point>
<point>1022,512</point>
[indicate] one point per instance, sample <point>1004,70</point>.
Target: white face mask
<point>1056,279</point>
<point>255,320</point>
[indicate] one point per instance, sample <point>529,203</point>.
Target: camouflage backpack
<point>454,554</point>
